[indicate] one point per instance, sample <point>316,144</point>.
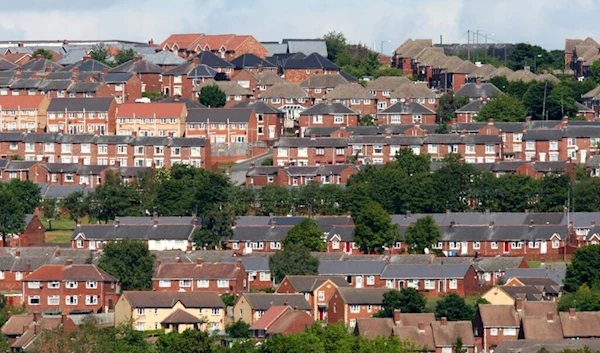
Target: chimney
<point>421,326</point>
<point>448,211</point>
<point>252,164</point>
<point>75,75</point>
<point>179,261</point>
<point>134,133</point>
<point>25,328</point>
<point>550,316</point>
<point>151,42</point>
<point>313,137</point>
<point>157,263</point>
<point>36,317</point>
<point>526,211</point>
<point>444,321</point>
<point>65,41</point>
<point>487,211</point>
<point>492,223</point>
<point>396,316</point>
<point>69,262</point>
<point>20,44</point>
<point>155,219</point>
<point>388,134</point>
<point>117,222</point>
<point>565,211</point>
<point>8,315</point>
<point>199,261</point>
<point>593,223</point>
<point>286,303</point>
<point>531,222</point>
<point>104,70</point>
<point>117,163</point>
<point>79,222</point>
<point>17,253</point>
<point>533,159</point>
<point>259,68</point>
<point>408,214</point>
<point>57,253</point>
<point>171,134</point>
<point>273,223</point>
<point>37,329</point>
<point>86,58</point>
<point>48,69</point>
<point>63,319</point>
<point>238,263</point>
<point>572,312</point>
<point>196,60</point>
<point>27,268</point>
<point>491,121</point>
<point>348,214</point>
<point>137,59</point>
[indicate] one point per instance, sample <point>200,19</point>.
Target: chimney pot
<point>421,326</point>
<point>593,222</point>
<point>69,262</point>
<point>17,253</point>
<point>448,211</point>
<point>105,70</point>
<point>396,316</point>
<point>151,42</point>
<point>137,58</point>
<point>25,328</point>
<point>550,316</point>
<point>572,312</point>
<point>196,60</point>
<point>199,261</point>
<point>57,253</point>
<point>444,321</point>
<point>238,263</point>
<point>492,223</point>
<point>313,136</point>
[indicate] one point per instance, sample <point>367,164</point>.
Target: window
<point>320,151</point>
<point>530,145</point>
<point>53,300</point>
<point>158,150</point>
<point>534,244</point>
<point>555,244</point>
<point>553,156</point>
<point>91,299</point>
<point>71,284</point>
<point>18,276</point>
<point>141,311</point>
<point>335,244</point>
<point>470,148</point>
<point>338,119</point>
<point>354,101</point>
<point>369,308</point>
<point>571,142</point>
<point>34,300</point>
<point>453,284</point>
<point>282,152</point>
<point>494,245</point>
<point>102,149</point>
<point>79,243</point>
<point>33,285</point>
<point>140,326</point>
<point>355,308</point>
<point>302,151</point>
<point>378,149</point>
<point>431,148</point>
<point>65,148</point>
<point>275,245</point>
<point>490,149</point>
<point>493,332</point>
<point>340,151</point>
<point>260,313</point>
<point>216,311</point>
<point>389,283</point>
<point>416,119</point>
<point>396,119</point>
<point>185,283</point>
<point>413,283</point>
<point>275,100</point>
<point>71,300</point>
<point>321,295</point>
<point>454,245</point>
<point>54,285</point>
<point>370,280</point>
<point>223,283</point>
<point>553,145</point>
<point>516,245</point>
<point>164,284</point>
<point>429,284</point>
<point>476,245</point>
<point>202,283</point>
<point>317,119</point>
<point>175,151</point>
<point>265,276</point>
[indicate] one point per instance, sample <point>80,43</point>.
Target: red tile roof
<point>215,41</point>
<point>236,42</point>
<point>283,322</point>
<point>183,41</point>
<point>269,317</point>
<point>17,57</point>
<point>150,109</point>
<point>73,272</point>
<point>206,270</point>
<point>20,102</point>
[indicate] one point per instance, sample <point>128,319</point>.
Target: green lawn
<point>533,263</point>
<point>432,301</point>
<point>61,231</point>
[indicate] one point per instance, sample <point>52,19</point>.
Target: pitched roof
<point>387,83</point>
<point>150,110</point>
<point>471,107</point>
<point>413,319</point>
<point>446,334</point>
<point>306,46</point>
<point>250,61</point>
<point>422,339</point>
<point>139,66</point>
<point>20,102</point>
<point>182,41</point>
<point>348,91</point>
<point>80,104</point>
<point>259,107</point>
<point>82,87</point>
<point>474,91</point>
<point>86,65</point>
<point>358,296</point>
<point>323,81</point>
<point>541,327</point>
<point>230,88</point>
<point>284,322</point>
<point>164,58</point>
<point>263,301</point>
<point>415,90</point>
<point>284,90</point>
<point>219,115</point>
<point>312,61</point>
<point>498,315</point>
<point>371,328</point>
<point>181,316</point>
<point>75,272</point>
<point>211,60</point>
<point>396,271</point>
<point>329,109</point>
<point>189,103</point>
<point>205,270</point>
<point>580,324</point>
<point>307,284</point>
<point>40,65</point>
<point>6,65</point>
<point>139,232</point>
<point>146,299</point>
<point>552,345</point>
<point>407,108</point>
<point>269,317</point>
<point>345,268</point>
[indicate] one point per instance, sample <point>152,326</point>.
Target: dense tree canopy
<point>130,262</point>
<point>448,105</point>
<point>212,96</point>
<point>373,230</point>
<point>407,300</point>
<point>424,233</point>
<point>454,308</point>
<point>293,260</point>
<point>306,233</point>
<point>503,108</point>
<point>43,52</point>
<point>584,268</point>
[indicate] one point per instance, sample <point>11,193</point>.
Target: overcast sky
<point>542,22</point>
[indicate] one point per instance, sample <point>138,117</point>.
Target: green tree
<point>367,120</point>
<point>534,98</point>
<point>129,261</point>
<point>387,71</point>
<point>274,199</point>
<point>124,56</point>
<point>12,213</point>
<point>515,193</point>
<point>212,96</point>
<point>583,269</point>
<point>189,341</point>
<point>293,260</point>
<point>50,210</point>
<point>228,299</point>
<point>503,108</point>
<point>407,300</point>
<point>553,192</point>
<point>454,308</point>
<point>216,225</point>
<point>374,229</point>
<point>594,73</point>
<point>238,329</point>
<point>448,105</point>
<point>27,192</point>
<point>98,53</point>
<point>267,162</point>
<point>75,205</point>
<point>424,233</point>
<point>113,198</point>
<point>584,299</point>
<point>586,195</point>
<point>457,346</point>
<point>43,52</point>
<point>335,42</point>
<point>153,96</point>
<point>306,233</point>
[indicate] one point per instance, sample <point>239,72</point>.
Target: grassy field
<point>61,231</point>
<point>533,263</point>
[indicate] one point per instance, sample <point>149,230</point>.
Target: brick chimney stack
<point>396,316</point>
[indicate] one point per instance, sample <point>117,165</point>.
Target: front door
<point>464,248</point>
<point>400,285</point>
<point>348,248</point>
<point>543,247</point>
<point>359,282</point>
<point>271,132</point>
<point>506,246</point>
<point>321,313</point>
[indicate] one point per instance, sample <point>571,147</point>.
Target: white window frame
<point>453,284</point>
<point>223,283</point>
<point>355,309</point>
<point>35,297</point>
<point>203,283</point>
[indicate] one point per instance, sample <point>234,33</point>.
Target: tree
<point>130,262</point>
<point>387,71</point>
<point>448,105</point>
<point>228,299</point>
<point>50,210</point>
<point>124,56</point>
<point>306,233</point>
<point>424,233</point>
<point>594,74</point>
<point>584,299</point>
<point>27,192</point>
<point>216,225</point>
<point>335,42</point>
<point>153,96</point>
<point>267,161</point>
<point>98,52</point>
<point>238,329</point>
<point>407,300</point>
<point>274,199</point>
<point>12,213</point>
<point>189,341</point>
<point>75,205</point>
<point>503,108</point>
<point>454,308</point>
<point>583,269</point>
<point>457,346</point>
<point>367,120</point>
<point>113,198</point>
<point>43,52</point>
<point>293,260</point>
<point>212,96</point>
<point>534,99</point>
<point>515,193</point>
<point>374,229</point>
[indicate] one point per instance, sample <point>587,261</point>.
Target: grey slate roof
<point>250,61</point>
<point>407,108</point>
<point>259,107</point>
<point>424,272</point>
<point>55,85</point>
<point>164,58</point>
<point>329,109</point>
<point>251,264</point>
<point>275,48</point>
<point>308,142</point>
<point>357,296</point>
<point>80,104</point>
<point>72,56</point>
<point>260,233</point>
<point>150,220</point>
<point>210,59</point>
<point>306,46</point>
<point>82,87</point>
<point>312,61</point>
<point>263,301</point>
<point>62,191</point>
<point>557,275</point>
<point>475,91</point>
<point>40,65</point>
<point>189,103</point>
<point>218,115</point>
<point>323,81</point>
<point>116,77</point>
<point>470,107</point>
<point>343,232</point>
<point>139,67</point>
<point>89,65</point>
<point>26,83</point>
<point>503,233</point>
<point>346,268</point>
<point>137,232</point>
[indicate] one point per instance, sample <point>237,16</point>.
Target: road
<point>237,173</point>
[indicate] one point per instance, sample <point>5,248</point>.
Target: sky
<point>541,22</point>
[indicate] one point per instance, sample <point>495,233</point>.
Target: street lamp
<point>384,41</point>
<point>535,62</point>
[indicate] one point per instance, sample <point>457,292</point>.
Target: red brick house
<point>494,324</point>
<point>224,125</point>
<point>350,304</point>
<point>468,112</point>
<point>310,151</point>
<point>252,63</point>
<point>23,113</point>
<point>358,273</point>
<point>82,115</point>
<point>227,46</point>
<point>353,96</point>
<point>383,87</point>
<point>287,97</point>
<point>126,87</point>
<point>407,113</point>
<point>150,74</point>
<point>416,92</point>
<point>256,82</point>
<point>200,277</point>
<point>404,54</point>
<point>319,85</point>
<point>262,238</point>
<point>317,290</point>
<point>234,93</point>
<point>24,331</point>
<point>301,175</point>
<point>269,120</point>
<point>281,320</point>
<point>341,239</point>
<point>182,79</point>
<point>33,234</point>
<point>151,119</point>
<point>251,306</point>
<point>70,288</point>
<point>299,68</point>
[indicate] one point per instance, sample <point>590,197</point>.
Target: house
<point>151,119</point>
<point>223,67</point>
<point>478,91</point>
<point>225,125</point>
<point>126,87</point>
<point>297,70</point>
<point>24,332</point>
<point>281,320</point>
<point>89,89</point>
<point>227,46</point>
<point>510,295</point>
<point>86,64</point>
<point>432,280</point>
<point>580,325</point>
<point>404,55</point>
<point>34,233</point>
<point>165,59</point>
<point>150,75</point>
<point>69,288</point>
<point>40,64</point>
<point>268,118</point>
<point>252,63</point>
<point>415,92</point>
<point>189,102</point>
<point>182,79</point>
<point>327,114</point>
<point>23,113</point>
<point>407,113</point>
<point>250,307</point>
<point>445,334</point>
<point>580,55</point>
<point>287,97</point>
<point>82,115</point>
<point>171,311</point>
<point>220,277</point>
<point>317,290</point>
<point>551,289</point>
<point>234,93</point>
<point>341,239</point>
<point>554,346</point>
<point>256,81</point>
<point>257,271</point>
<point>359,274</point>
<point>383,87</point>
<point>319,85</point>
<point>350,304</point>
<point>316,151</point>
<point>300,174</point>
<point>262,238</point>
<point>468,112</point>
<point>494,324</point>
<point>353,96</point>
<point>537,325</point>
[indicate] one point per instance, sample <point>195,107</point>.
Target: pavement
<point>237,173</point>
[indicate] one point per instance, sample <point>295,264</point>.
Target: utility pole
<point>469,45</point>
<point>544,103</point>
